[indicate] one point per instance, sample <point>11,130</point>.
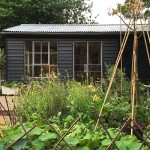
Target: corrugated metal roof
<point>68,28</point>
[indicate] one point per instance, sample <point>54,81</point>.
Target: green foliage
<point>54,99</point>
<point>130,6</point>
<point>45,98</point>
<point>2,58</point>
<point>16,12</point>
<point>81,137</point>
<point>13,84</point>
<point>62,102</point>
<point>116,86</point>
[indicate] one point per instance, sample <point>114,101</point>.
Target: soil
<point>2,112</point>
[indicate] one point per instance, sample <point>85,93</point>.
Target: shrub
<point>45,98</point>
<point>2,58</point>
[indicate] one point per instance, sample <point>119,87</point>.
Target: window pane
<point>37,46</point>
<point>53,46</point>
<point>28,46</point>
<point>79,67</point>
<point>53,59</point>
<point>37,58</point>
<point>28,59</point>
<point>95,68</point>
<point>95,76</point>
<point>80,53</point>
<point>94,53</point>
<point>29,70</point>
<point>44,58</point>
<point>37,71</point>
<point>45,47</point>
<point>53,69</point>
<point>45,70</point>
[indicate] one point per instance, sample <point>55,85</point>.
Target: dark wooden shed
<point>71,50</point>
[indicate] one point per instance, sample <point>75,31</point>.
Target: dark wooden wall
<point>110,48</point>
<point>15,59</point>
<point>143,66</point>
<point>65,58</point>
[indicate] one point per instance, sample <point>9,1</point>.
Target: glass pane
<point>44,58</point>
<point>45,70</point>
<point>80,77</point>
<point>28,59</point>
<point>28,46</point>
<point>80,53</point>
<point>37,59</point>
<point>53,59</point>
<point>94,68</point>
<point>94,53</point>
<point>95,76</point>
<point>37,46</point>
<point>79,67</point>
<point>29,70</point>
<point>53,46</point>
<point>53,69</point>
<point>37,71</point>
<point>45,47</point>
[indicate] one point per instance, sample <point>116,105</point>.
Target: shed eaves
<point>69,28</point>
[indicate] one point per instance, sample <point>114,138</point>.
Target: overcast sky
<point>101,7</point>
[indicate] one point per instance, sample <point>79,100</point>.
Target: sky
<point>101,7</point>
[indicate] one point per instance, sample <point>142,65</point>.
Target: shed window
<point>40,58</point>
<point>88,61</point>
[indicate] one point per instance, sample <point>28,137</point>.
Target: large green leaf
<point>15,136</point>
<point>134,145</point>
<point>48,136</point>
<point>106,142</point>
<point>112,132</point>
<point>102,147</point>
<point>21,144</point>
<point>120,145</point>
<point>72,141</point>
<point>83,148</point>
<point>36,131</point>
<point>38,144</point>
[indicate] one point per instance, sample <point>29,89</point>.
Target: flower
<point>93,90</point>
<point>90,87</point>
<point>53,75</point>
<point>95,98</point>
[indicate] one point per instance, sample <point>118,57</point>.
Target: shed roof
<point>68,28</point>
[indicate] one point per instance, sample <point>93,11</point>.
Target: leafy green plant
<point>45,98</point>
<point>48,98</point>
<point>2,58</point>
<point>81,137</point>
<point>13,84</point>
<point>116,86</point>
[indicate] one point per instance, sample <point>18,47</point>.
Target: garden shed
<point>74,50</point>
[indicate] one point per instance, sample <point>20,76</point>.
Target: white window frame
<point>41,64</point>
<point>101,61</point>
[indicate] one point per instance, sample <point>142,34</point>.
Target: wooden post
<point>135,71</point>
<point>0,76</point>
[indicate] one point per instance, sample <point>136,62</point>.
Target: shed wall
<point>15,60</point>
<point>110,47</point>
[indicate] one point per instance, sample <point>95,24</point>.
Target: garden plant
<point>61,102</point>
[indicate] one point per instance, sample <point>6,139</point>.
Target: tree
<point>134,10</point>
<point>15,12</point>
<point>129,5</point>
